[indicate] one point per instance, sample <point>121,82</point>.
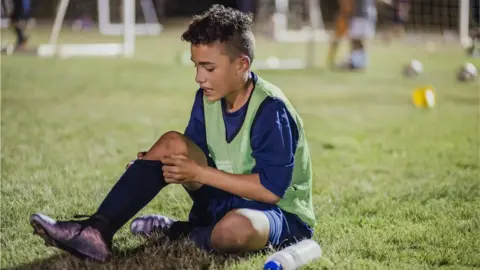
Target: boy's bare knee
<point>236,232</point>
<point>232,234</point>
<point>174,142</point>
<point>170,143</point>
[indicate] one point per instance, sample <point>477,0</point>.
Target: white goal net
<point>311,22</point>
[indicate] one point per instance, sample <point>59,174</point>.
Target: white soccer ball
<point>467,73</point>
<point>414,68</point>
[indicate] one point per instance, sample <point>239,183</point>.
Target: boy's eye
<point>207,69</point>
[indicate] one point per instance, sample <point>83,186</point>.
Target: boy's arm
<point>243,185</point>
<point>273,140</point>
<point>181,169</point>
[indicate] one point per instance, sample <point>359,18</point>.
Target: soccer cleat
<point>150,224</point>
<point>79,237</point>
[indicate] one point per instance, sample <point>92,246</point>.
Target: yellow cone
<point>424,97</point>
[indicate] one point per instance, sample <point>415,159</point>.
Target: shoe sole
<point>52,242</point>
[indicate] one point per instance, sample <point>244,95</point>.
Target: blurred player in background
<point>401,10</point>
<point>19,19</point>
<point>362,28</point>
<point>361,18</point>
<point>341,28</point>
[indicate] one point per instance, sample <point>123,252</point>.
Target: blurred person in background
<point>401,10</point>
<point>341,28</point>
<point>361,18</point>
<point>362,28</point>
<point>19,18</point>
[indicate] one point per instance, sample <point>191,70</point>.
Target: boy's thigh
<point>209,205</point>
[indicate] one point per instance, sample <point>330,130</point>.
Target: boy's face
<point>216,73</point>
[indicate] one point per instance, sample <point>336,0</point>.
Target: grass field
<point>395,187</point>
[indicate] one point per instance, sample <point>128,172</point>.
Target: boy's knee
<point>170,143</point>
<point>232,234</point>
<point>173,140</point>
<point>237,232</point>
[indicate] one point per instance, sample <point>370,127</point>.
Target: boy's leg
<point>136,187</point>
<point>252,227</point>
<point>170,143</point>
<point>174,143</point>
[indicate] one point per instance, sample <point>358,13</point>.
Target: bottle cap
<point>272,265</point>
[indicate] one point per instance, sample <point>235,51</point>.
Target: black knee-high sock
<point>140,183</point>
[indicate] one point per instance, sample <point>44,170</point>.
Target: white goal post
<point>310,34</point>
<point>464,18</point>
<point>126,48</point>
<point>151,27</point>
<point>314,31</point>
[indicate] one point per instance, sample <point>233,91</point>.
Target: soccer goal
<point>297,30</point>
<point>116,19</point>
<point>436,20</point>
<point>151,26</point>
<point>298,24</point>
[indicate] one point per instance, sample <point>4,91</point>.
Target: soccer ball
<point>467,73</point>
<point>414,68</point>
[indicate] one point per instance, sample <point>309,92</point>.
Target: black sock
<point>140,183</point>
<point>179,229</point>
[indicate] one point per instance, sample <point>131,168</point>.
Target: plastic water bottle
<point>294,256</point>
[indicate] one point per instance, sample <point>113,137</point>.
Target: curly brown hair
<point>226,25</point>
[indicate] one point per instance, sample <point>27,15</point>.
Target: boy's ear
<point>244,63</point>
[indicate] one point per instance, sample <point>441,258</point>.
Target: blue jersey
<point>274,137</point>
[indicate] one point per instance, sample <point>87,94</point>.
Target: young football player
<point>243,159</point>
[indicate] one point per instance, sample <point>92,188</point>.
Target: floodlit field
<point>394,186</point>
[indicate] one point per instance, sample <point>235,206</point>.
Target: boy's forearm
<point>243,185</point>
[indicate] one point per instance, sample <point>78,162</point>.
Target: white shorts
<point>362,28</point>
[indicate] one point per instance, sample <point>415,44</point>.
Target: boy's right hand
<point>140,155</point>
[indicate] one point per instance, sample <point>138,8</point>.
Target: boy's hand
<point>180,169</point>
<point>140,155</point>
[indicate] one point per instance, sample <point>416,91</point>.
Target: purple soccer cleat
<point>78,237</point>
<point>149,224</point>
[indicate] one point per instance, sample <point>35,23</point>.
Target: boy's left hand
<point>180,169</point>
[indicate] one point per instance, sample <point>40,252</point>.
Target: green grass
<point>394,186</point>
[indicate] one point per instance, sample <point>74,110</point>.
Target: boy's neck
<point>236,99</point>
